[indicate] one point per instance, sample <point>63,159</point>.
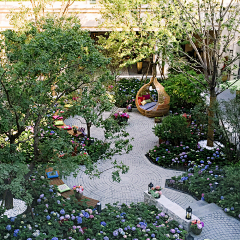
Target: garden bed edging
<point>172,209</point>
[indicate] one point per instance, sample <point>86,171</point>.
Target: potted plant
<point>75,129</point>
<point>129,107</point>
<point>196,227</point>
<point>156,192</point>
<point>78,190</point>
<point>121,117</point>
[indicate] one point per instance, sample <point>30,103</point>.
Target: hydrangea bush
<point>57,218</point>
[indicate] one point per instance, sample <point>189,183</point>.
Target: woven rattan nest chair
<point>154,108</point>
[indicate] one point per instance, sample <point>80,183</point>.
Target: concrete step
<point>202,209</point>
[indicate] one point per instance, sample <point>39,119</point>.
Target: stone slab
<point>172,209</point>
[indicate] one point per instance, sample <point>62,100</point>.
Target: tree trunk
<point>88,129</point>
<point>210,136</point>
<point>9,200</point>
<point>154,70</point>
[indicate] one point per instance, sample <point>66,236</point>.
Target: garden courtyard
<point>87,154</point>
<point>218,225</point>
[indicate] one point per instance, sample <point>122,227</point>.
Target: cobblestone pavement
<point>217,224</point>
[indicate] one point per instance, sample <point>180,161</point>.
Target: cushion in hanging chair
<point>148,105</point>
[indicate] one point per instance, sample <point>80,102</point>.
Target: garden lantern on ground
<point>188,213</point>
<point>150,185</point>
<point>99,207</point>
<point>215,185</point>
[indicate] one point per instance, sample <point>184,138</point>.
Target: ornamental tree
<point>210,30</point>
<point>136,27</point>
<point>52,52</point>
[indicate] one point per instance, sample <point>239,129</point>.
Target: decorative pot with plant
<point>121,117</point>
<point>75,129</point>
<point>156,192</point>
<point>78,190</point>
<point>196,227</point>
<point>129,107</point>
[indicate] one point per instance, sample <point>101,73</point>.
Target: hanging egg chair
<point>149,107</point>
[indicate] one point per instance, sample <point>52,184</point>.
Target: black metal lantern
<point>188,213</point>
<point>99,207</point>
<point>215,185</point>
<point>150,185</point>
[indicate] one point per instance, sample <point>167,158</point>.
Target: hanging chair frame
<point>162,106</point>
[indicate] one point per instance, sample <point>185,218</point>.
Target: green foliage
<point>55,216</point>
<point>126,91</point>
<point>183,92</point>
<point>214,185</point>
<point>173,129</point>
<point>227,126</point>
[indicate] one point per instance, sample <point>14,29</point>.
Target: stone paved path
<point>218,225</point>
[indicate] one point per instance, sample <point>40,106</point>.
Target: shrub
<point>173,129</point>
<point>182,91</point>
<point>126,91</point>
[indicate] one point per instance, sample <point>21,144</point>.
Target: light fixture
<point>215,185</point>
<point>99,207</point>
<point>150,185</point>
<point>188,213</point>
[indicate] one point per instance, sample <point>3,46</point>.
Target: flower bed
<point>126,91</point>
<point>212,184</point>
<point>184,157</point>
<point>57,218</point>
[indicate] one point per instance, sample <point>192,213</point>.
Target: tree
<point>20,19</point>
<point>136,27</point>
<point>52,52</point>
<point>210,28</point>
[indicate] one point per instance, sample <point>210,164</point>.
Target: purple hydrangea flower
<point>41,196</point>
<point>172,231</point>
<point>115,233</point>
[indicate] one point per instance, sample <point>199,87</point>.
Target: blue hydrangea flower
<point>8,227</point>
<point>115,233</point>
<point>222,197</point>
<point>157,159</point>
<point>105,238</point>
<point>50,190</point>
<point>16,232</point>
<point>201,161</point>
<point>48,217</point>
<point>62,212</point>
<point>232,208</point>
<point>103,224</point>
<point>133,228</point>
<point>54,238</point>
<point>153,235</point>
<point>79,220</point>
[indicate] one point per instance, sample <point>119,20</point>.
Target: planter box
<point>170,208</point>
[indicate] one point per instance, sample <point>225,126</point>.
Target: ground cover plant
<point>54,217</point>
<point>212,184</point>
